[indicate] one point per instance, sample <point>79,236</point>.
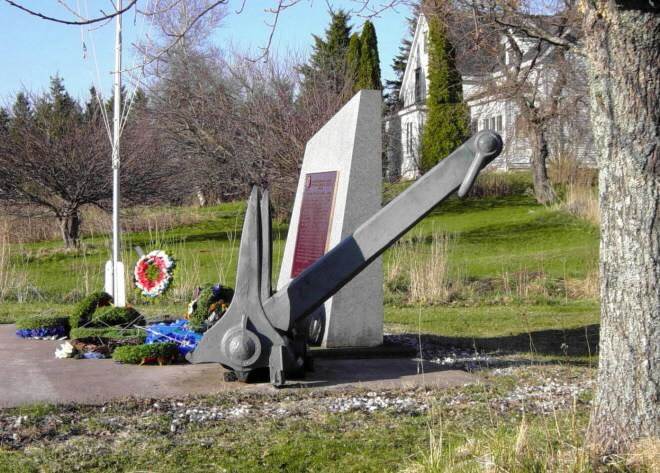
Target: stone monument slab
<point>347,148</point>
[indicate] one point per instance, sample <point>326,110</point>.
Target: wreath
<point>154,273</point>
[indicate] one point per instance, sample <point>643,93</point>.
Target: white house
<point>487,109</point>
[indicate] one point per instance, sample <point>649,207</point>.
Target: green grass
<point>490,237</point>
<point>467,425</point>
<point>486,321</point>
<point>493,242</point>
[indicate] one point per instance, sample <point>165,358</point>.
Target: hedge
<point>161,353</point>
<point>109,316</point>
<point>111,333</point>
<point>32,322</point>
<point>86,308</point>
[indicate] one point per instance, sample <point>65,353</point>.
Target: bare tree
<point>57,161</point>
<point>621,43</point>
<point>507,65</point>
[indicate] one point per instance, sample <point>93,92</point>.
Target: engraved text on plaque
<point>314,222</point>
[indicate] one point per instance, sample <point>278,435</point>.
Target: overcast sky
<point>33,49</point>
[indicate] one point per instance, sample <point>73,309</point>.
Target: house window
<point>491,123</point>
<point>418,85</point>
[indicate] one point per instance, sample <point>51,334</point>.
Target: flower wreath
<point>154,273</point>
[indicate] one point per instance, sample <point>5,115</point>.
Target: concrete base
<point>32,374</point>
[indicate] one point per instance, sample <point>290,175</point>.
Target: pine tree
<point>55,111</point>
<point>353,61</point>
<point>369,72</point>
<point>4,121</point>
<point>22,115</point>
<point>327,64</point>
<point>447,124</point>
<point>92,112</point>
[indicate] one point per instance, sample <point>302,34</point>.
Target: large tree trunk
<point>623,49</point>
<point>543,190</point>
<point>70,229</point>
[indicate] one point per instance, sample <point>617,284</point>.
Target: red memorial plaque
<point>314,222</point>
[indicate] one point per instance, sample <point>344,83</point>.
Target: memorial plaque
<point>314,223</point>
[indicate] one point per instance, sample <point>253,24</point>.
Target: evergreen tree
<point>369,72</point>
<point>447,124</point>
<point>4,121</point>
<point>22,115</point>
<point>57,109</point>
<point>327,64</point>
<point>353,61</point>
<point>92,111</point>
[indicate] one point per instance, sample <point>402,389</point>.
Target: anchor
<point>267,330</point>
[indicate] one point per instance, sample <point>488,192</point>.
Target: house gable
<point>415,77</point>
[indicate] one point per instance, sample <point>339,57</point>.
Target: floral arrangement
<point>65,350</point>
<point>43,333</point>
<point>42,327</point>
<point>209,304</point>
<point>161,353</point>
<point>154,273</point>
<point>178,332</point>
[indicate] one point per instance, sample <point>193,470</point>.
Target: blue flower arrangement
<point>41,332</point>
<point>178,332</point>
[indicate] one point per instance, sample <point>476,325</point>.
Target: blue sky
<point>31,49</point>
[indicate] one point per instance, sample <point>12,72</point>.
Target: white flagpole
<point>118,290</point>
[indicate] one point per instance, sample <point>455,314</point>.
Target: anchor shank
<point>354,253</point>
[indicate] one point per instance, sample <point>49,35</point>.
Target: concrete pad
<point>30,373</point>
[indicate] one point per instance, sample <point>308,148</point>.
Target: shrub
<point>109,316</point>
<point>42,321</point>
<point>207,301</point>
<point>447,122</point>
<point>162,353</point>
<point>110,333</point>
<point>86,308</point>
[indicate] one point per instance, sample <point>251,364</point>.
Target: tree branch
<point>72,22</point>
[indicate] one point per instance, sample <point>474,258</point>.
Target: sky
<point>32,49</point>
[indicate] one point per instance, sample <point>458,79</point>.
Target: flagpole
<point>117,278</point>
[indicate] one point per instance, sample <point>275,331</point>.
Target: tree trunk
<point>70,229</point>
<point>622,42</point>
<point>201,196</point>
<point>543,190</point>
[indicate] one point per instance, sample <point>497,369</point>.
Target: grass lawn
<point>457,430</point>
<point>491,239</point>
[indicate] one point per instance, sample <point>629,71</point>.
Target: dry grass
<point>14,283</point>
<point>645,454</point>
<point>501,184</point>
<point>34,227</point>
<point>581,201</point>
<point>552,448</point>
<point>566,169</point>
<point>587,288</point>
<point>420,272</point>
